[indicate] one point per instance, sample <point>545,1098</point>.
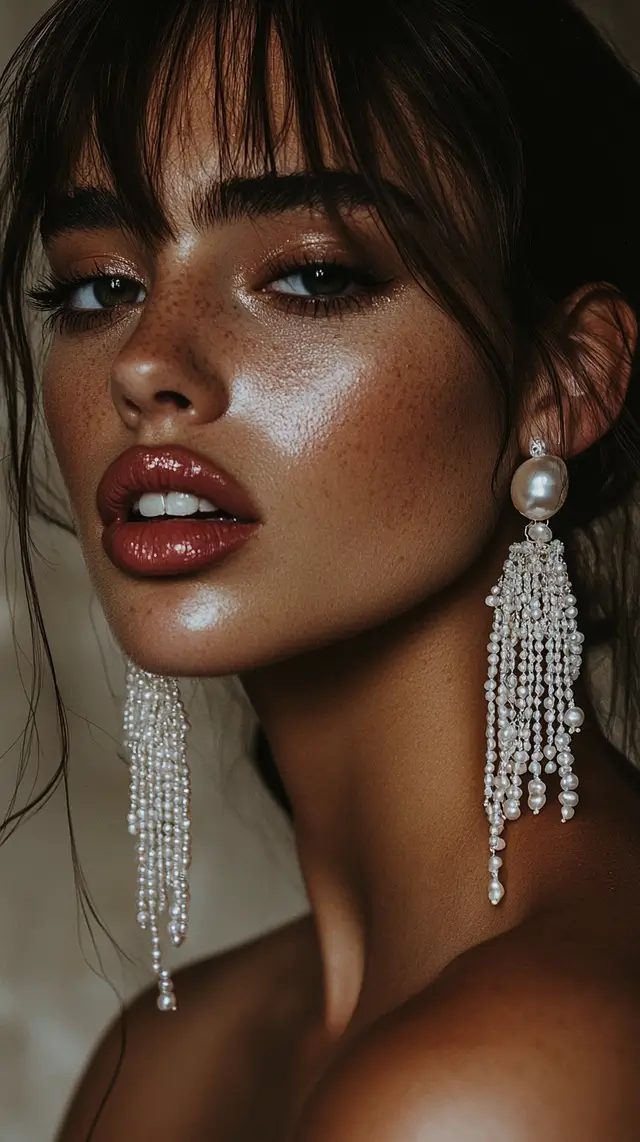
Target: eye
<point>320,279</point>
<point>106,293</point>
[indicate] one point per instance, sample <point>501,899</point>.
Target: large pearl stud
<point>539,487</point>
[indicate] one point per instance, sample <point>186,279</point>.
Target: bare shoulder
<point>522,1039</point>
<point>169,1076</point>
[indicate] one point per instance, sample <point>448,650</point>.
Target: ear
<point>596,334</point>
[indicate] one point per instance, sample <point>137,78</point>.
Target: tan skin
<point>405,1007</point>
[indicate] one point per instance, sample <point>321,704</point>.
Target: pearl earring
<point>535,651</point>
<point>155,732</point>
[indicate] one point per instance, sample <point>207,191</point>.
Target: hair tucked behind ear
<point>509,127</point>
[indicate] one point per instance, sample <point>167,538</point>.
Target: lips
<point>170,546</point>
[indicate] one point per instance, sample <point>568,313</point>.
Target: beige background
<point>245,876</point>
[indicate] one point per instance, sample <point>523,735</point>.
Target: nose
<point>156,380</point>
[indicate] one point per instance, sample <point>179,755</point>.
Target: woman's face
<point>361,426</point>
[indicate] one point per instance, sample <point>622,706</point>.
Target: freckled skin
<point>367,442</point>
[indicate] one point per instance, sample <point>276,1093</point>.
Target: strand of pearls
<point>155,733</point>
<point>534,657</point>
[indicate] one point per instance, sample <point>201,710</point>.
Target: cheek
<point>74,418</point>
<point>394,445</point>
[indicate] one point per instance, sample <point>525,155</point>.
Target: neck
<point>380,740</point>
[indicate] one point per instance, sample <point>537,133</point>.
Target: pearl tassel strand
<point>534,657</point>
<point>155,732</point>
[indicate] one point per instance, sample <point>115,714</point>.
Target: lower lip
<point>172,547</point>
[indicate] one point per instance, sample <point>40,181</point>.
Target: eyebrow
<point>99,208</point>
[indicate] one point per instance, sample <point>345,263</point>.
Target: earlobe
<point>596,340</point>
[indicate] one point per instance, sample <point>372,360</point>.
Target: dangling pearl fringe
<point>535,651</point>
<point>155,732</point>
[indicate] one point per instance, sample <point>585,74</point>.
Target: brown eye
<point>317,281</point>
<point>106,293</point>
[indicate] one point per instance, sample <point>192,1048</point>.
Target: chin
<point>181,631</point>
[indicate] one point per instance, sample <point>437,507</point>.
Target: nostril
<point>170,397</point>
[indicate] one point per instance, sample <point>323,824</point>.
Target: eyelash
<point>53,295</point>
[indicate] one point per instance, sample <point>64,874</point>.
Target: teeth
<point>152,505</point>
<point>179,503</point>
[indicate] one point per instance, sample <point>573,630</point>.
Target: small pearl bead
<point>569,781</point>
<point>549,752</point>
<point>574,716</point>
<point>539,532</point>
<point>166,1002</point>
<point>567,813</point>
<point>550,767</point>
<point>495,863</point>
<point>511,810</point>
<point>568,798</point>
<point>496,891</point>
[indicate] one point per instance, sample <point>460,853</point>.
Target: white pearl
<point>511,810</point>
<point>499,843</point>
<point>550,767</point>
<point>166,1002</point>
<point>496,891</point>
<point>539,487</point>
<point>567,813</point>
<point>549,752</point>
<point>495,863</point>
<point>539,532</point>
<point>569,781</point>
<point>537,803</point>
<point>562,740</point>
<point>574,716</point>
<point>568,798</point>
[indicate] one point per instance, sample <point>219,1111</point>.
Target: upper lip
<point>168,469</point>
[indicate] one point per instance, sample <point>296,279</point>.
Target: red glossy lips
<point>169,546</point>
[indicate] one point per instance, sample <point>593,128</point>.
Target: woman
<point>337,272</point>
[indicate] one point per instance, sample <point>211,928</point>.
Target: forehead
<point>211,164</point>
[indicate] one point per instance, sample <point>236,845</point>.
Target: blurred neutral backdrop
<point>57,991</point>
